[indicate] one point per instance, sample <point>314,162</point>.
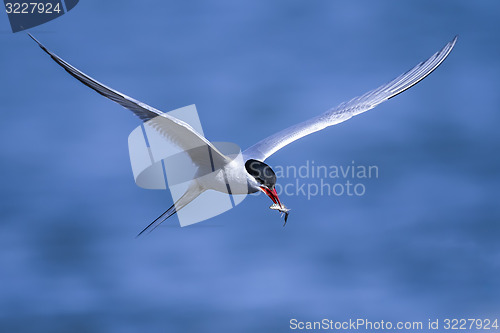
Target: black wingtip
<point>40,44</point>
<point>36,40</point>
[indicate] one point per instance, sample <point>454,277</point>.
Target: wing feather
<point>268,146</point>
<point>175,130</point>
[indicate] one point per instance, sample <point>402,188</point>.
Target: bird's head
<point>265,178</point>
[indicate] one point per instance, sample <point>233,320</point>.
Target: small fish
<point>282,209</point>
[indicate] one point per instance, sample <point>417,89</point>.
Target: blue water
<point>422,242</point>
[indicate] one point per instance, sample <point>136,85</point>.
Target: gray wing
<point>175,130</point>
<point>265,148</point>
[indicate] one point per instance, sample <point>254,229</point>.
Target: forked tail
<point>193,191</point>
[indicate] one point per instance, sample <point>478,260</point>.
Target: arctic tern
<point>251,175</point>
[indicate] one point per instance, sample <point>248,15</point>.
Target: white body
<point>232,171</point>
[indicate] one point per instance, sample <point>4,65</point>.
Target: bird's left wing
<point>175,130</point>
<point>265,148</point>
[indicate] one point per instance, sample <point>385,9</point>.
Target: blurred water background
<point>422,242</point>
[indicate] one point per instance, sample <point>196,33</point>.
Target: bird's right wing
<point>175,130</point>
<point>265,148</point>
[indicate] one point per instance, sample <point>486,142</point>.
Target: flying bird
<point>251,174</point>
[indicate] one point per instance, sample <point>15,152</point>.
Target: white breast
<point>232,178</point>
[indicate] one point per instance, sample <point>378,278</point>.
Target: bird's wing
<point>265,148</point>
<point>175,130</point>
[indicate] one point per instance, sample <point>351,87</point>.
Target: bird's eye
<point>261,172</point>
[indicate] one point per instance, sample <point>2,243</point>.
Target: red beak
<point>272,194</point>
